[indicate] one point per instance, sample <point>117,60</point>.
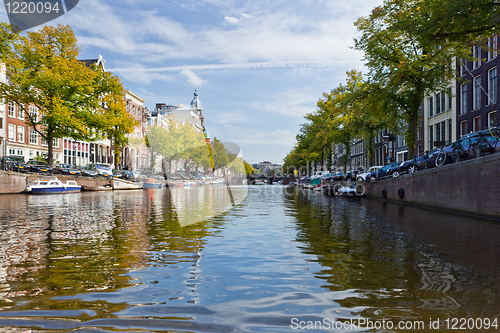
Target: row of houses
<point>17,138</point>
<point>467,105</point>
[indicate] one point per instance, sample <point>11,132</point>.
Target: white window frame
<point>20,134</point>
<point>477,57</point>
<point>490,118</point>
<point>492,86</point>
<point>20,111</point>
<point>476,93</point>
<point>463,98</point>
<point>34,113</point>
<point>492,48</point>
<point>55,143</point>
<point>33,137</point>
<point>12,132</point>
<point>12,110</point>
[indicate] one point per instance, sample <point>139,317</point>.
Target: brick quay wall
<point>471,187</point>
<point>14,182</point>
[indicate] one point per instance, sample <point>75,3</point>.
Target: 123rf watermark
<point>29,13</point>
<point>465,324</point>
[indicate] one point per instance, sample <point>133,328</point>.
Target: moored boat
<point>154,185</point>
<point>350,192</point>
<point>53,186</point>
<point>120,184</point>
<point>97,188</point>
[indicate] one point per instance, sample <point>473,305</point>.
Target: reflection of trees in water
<point>362,252</point>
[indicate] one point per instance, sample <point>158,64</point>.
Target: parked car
<point>352,174</point>
<point>87,171</point>
<point>384,172</point>
<point>11,163</point>
<point>338,176</point>
<point>471,146</point>
<point>103,170</point>
<point>126,174</point>
<point>362,176</point>
<point>36,167</point>
<point>66,169</point>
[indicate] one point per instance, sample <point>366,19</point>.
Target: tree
<point>115,122</point>
<point>219,154</point>
<point>43,71</point>
<point>402,65</point>
<point>445,21</point>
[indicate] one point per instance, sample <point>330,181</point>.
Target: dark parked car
<point>472,145</point>
<point>11,163</point>
<point>87,171</point>
<point>128,175</point>
<point>66,169</point>
<point>352,174</point>
<point>37,167</point>
<point>389,170</point>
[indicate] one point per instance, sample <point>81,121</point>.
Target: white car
<point>362,176</point>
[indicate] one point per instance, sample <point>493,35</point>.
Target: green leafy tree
<point>403,66</point>
<point>219,154</point>
<point>43,71</point>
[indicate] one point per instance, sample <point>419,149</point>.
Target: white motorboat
<point>53,186</point>
<point>120,184</point>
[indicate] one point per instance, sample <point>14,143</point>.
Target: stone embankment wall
<point>14,182</point>
<point>471,187</point>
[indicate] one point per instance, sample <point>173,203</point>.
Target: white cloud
<point>192,77</point>
<point>232,20</point>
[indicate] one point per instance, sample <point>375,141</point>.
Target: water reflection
<point>125,261</point>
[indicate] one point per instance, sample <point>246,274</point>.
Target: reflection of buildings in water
<point>437,276</point>
<point>196,204</point>
<point>22,246</point>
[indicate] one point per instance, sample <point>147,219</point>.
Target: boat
<point>261,182</point>
<point>53,186</point>
<point>120,184</point>
<point>154,185</point>
<point>174,184</point>
<point>351,192</point>
<point>97,188</point>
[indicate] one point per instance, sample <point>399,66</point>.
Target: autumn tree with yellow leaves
<point>72,100</point>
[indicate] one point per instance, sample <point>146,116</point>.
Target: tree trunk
<point>50,149</point>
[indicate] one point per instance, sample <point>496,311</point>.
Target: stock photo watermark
<point>28,14</point>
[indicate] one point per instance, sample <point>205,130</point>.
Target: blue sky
<point>259,66</point>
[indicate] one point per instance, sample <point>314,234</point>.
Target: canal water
<point>270,259</point>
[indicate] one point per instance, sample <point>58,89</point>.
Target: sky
<point>259,66</point>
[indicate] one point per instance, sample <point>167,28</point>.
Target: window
<point>443,131</point>
<point>12,113</point>
<point>492,118</point>
<point>12,133</point>
<point>492,48</point>
<point>463,66</point>
<point>476,123</point>
<point>492,86</point>
<point>20,134</point>
<point>477,57</point>
<point>33,137</point>
<point>20,111</point>
<point>450,139</point>
<point>431,107</point>
<point>438,131</point>
<point>55,143</point>
<point>34,113</point>
<point>476,91</point>
<point>1,122</point>
<point>438,103</point>
<point>463,128</point>
<point>431,136</point>
<point>463,98</point>
<point>44,142</point>
<point>450,98</point>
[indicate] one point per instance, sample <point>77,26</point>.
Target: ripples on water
<point>133,262</point>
